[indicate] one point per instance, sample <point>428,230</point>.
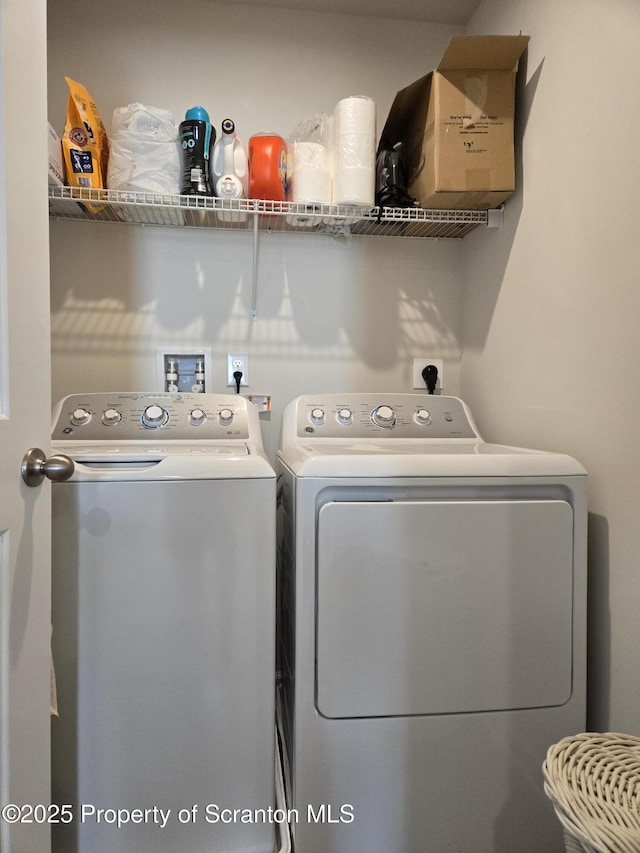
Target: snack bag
<point>85,145</point>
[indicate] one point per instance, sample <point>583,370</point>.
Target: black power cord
<point>237,375</point>
<point>430,376</point>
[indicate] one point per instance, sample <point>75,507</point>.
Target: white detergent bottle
<point>230,164</point>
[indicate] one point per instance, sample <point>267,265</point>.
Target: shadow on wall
<point>324,303</point>
<point>112,291</point>
<point>499,248</point>
<point>598,626</point>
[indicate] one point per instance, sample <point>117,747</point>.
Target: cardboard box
<point>456,125</point>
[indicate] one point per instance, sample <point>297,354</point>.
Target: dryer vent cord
<point>237,375</point>
<point>430,376</point>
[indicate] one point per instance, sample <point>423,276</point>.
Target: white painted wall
<point>552,302</point>
<point>333,313</point>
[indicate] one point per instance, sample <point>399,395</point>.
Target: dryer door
<point>436,607</point>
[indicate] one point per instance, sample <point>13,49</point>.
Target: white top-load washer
<point>163,626</point>
<point>431,620</point>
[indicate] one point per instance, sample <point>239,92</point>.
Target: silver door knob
<point>35,467</point>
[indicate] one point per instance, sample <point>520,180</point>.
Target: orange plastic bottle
<point>267,167</point>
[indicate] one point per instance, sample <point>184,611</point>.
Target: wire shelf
<point>248,214</point>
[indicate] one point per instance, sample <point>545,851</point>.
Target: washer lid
<point>123,436</point>
<point>182,462</point>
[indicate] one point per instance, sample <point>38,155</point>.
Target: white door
<point>24,422</point>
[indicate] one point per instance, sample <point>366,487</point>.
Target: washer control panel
<point>355,416</point>
<point>136,416</point>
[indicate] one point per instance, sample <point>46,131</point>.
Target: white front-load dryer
<point>163,626</point>
<point>432,609</point>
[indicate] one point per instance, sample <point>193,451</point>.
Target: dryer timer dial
<point>383,416</point>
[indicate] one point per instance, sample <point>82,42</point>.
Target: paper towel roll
<point>311,154</point>
<point>354,186</point>
<point>310,185</point>
<point>355,113</point>
<point>309,175</point>
<point>354,151</point>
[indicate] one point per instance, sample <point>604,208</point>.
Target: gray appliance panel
<point>415,416</point>
<point>128,412</point>
<point>443,607</point>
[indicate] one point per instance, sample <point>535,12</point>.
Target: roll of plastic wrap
<point>354,151</point>
<point>309,174</point>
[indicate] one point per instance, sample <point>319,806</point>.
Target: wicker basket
<point>593,781</point>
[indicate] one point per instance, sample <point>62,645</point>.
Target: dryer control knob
<point>110,417</point>
<point>80,417</point>
<point>422,417</point>
<point>154,417</point>
<point>317,416</point>
<point>344,416</point>
<point>225,416</point>
<point>197,417</point>
<point>383,416</point>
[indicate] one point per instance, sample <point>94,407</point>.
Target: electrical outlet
<point>419,365</point>
<point>237,361</point>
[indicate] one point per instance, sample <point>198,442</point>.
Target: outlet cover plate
<point>419,365</point>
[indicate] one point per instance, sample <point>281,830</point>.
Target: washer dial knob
<point>317,416</point>
<point>383,416</point>
<point>110,417</point>
<point>80,417</point>
<point>422,417</point>
<point>197,417</point>
<point>154,416</point>
<point>344,416</point>
<point>225,416</point>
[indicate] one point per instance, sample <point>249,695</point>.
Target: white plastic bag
<point>144,154</point>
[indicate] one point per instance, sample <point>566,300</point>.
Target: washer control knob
<point>80,417</point>
<point>344,416</point>
<point>422,417</point>
<point>197,417</point>
<point>317,416</point>
<point>225,416</point>
<point>154,416</point>
<point>383,416</point>
<point>110,417</point>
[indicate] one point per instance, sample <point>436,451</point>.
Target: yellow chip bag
<point>85,145</point>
